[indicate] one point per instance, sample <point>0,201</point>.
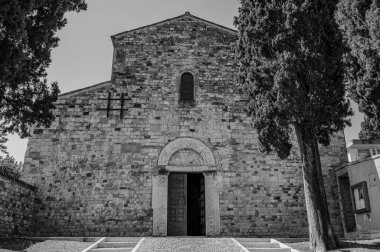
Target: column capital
<point>209,173</point>
<point>160,170</point>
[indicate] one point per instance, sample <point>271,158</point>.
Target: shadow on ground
<point>16,244</point>
<point>345,246</point>
<point>367,244</point>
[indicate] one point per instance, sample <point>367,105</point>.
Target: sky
<point>84,54</point>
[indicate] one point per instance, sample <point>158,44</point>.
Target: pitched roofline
<point>347,164</point>
<point>77,91</point>
<point>187,14</point>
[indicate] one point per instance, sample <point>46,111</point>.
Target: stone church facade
<point>167,148</point>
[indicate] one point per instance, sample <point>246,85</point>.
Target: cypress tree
<point>290,65</point>
<point>359,21</point>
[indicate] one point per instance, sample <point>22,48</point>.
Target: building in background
<point>359,189</point>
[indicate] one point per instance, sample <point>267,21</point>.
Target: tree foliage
<point>359,21</point>
<point>27,36</point>
<point>3,140</point>
<point>10,168</point>
<point>290,64</point>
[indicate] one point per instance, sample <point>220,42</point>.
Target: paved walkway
<point>187,244</point>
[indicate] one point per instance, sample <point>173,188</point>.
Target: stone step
<point>114,244</point>
<point>260,245</point>
<point>111,250</point>
<point>268,249</point>
<point>123,239</point>
<point>253,239</point>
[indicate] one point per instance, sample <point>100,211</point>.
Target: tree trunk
<point>322,237</point>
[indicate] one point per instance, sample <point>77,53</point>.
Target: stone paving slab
<point>58,246</point>
<point>187,244</point>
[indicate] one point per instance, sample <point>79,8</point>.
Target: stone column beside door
<point>212,204</point>
<point>160,204</point>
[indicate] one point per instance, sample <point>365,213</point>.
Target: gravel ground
<point>346,246</point>
<point>176,244</point>
<point>58,246</point>
<point>15,244</point>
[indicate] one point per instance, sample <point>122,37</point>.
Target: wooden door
<point>202,205</point>
<point>177,204</point>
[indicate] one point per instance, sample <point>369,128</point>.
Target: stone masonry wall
<point>331,155</point>
<point>95,172</point>
<point>16,207</point>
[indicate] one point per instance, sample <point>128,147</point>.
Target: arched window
<point>186,90</point>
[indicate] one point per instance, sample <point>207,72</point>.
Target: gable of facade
<point>106,165</point>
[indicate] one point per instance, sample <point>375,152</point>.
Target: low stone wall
<point>16,207</point>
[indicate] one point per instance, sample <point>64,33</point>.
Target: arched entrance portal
<point>187,160</point>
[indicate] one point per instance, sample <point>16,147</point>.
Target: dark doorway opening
<point>196,207</point>
<point>346,203</point>
<point>186,204</point>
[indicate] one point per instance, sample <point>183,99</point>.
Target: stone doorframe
<point>160,185</point>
